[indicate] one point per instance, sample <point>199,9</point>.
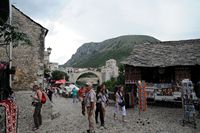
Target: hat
<point>88,84</point>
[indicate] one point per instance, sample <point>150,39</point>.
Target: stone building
<point>162,65</point>
<point>164,62</point>
<point>46,59</point>
<point>69,70</point>
<point>28,59</point>
<point>109,71</point>
<point>53,66</point>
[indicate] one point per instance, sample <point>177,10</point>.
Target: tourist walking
<point>38,105</point>
<point>81,96</point>
<point>74,95</point>
<point>102,100</point>
<point>50,92</point>
<point>90,103</point>
<point>120,103</point>
<point>99,108</point>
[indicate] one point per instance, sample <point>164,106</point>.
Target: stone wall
<point>28,59</point>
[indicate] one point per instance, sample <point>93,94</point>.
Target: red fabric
<point>81,92</point>
<point>11,115</point>
<point>2,66</point>
<point>61,81</point>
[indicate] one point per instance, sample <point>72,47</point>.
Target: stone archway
<point>98,74</point>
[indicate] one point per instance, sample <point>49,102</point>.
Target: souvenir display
<point>8,108</point>
<point>150,90</point>
<point>142,96</point>
<point>188,103</point>
<point>166,92</point>
<point>10,114</point>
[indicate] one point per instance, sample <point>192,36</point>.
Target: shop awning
<point>61,81</point>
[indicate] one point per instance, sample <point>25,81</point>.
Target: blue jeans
<point>75,98</point>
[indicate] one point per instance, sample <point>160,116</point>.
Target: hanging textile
<point>2,119</point>
<point>142,96</point>
<point>5,90</point>
<point>11,115</point>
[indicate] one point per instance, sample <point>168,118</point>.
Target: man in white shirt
<point>90,103</point>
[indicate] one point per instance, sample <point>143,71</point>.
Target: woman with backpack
<point>120,103</point>
<point>37,103</point>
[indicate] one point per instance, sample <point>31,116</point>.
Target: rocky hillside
<point>95,54</point>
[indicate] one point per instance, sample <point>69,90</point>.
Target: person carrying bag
<point>37,103</point>
<point>120,103</point>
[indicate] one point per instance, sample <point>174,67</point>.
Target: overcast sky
<point>74,22</point>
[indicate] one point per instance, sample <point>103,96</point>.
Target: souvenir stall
<point>150,89</point>
<point>8,108</point>
<point>162,84</point>
<point>188,103</point>
<point>131,76</point>
<point>162,65</point>
<point>142,96</point>
<point>130,95</point>
<point>163,92</point>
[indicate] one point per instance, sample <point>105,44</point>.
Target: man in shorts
<point>90,104</point>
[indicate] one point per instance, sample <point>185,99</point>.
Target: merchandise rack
<point>188,103</point>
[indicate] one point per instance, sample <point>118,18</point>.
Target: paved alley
<point>155,120</point>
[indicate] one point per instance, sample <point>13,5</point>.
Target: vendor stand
<point>8,108</point>
<point>188,103</point>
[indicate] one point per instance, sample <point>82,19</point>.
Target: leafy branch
<point>9,33</point>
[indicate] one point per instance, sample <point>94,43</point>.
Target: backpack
<point>123,102</point>
<point>43,100</point>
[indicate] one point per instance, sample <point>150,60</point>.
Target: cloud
<point>104,19</point>
<point>63,40</point>
<point>74,22</point>
<point>43,9</point>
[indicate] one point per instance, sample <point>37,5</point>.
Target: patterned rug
<point>9,110</point>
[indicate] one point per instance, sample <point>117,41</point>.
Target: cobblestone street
<point>70,120</point>
<point>134,64</point>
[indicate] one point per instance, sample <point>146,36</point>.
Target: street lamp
<point>49,50</point>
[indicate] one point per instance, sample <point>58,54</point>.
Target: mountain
<point>96,54</point>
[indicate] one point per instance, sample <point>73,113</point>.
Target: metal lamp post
<point>10,46</point>
<point>49,50</point>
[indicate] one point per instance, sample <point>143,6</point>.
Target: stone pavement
<point>70,120</point>
<point>25,115</point>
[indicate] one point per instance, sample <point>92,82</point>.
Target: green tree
<point>9,33</point>
<point>57,75</point>
<point>121,77</point>
<point>47,72</point>
<point>110,84</point>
